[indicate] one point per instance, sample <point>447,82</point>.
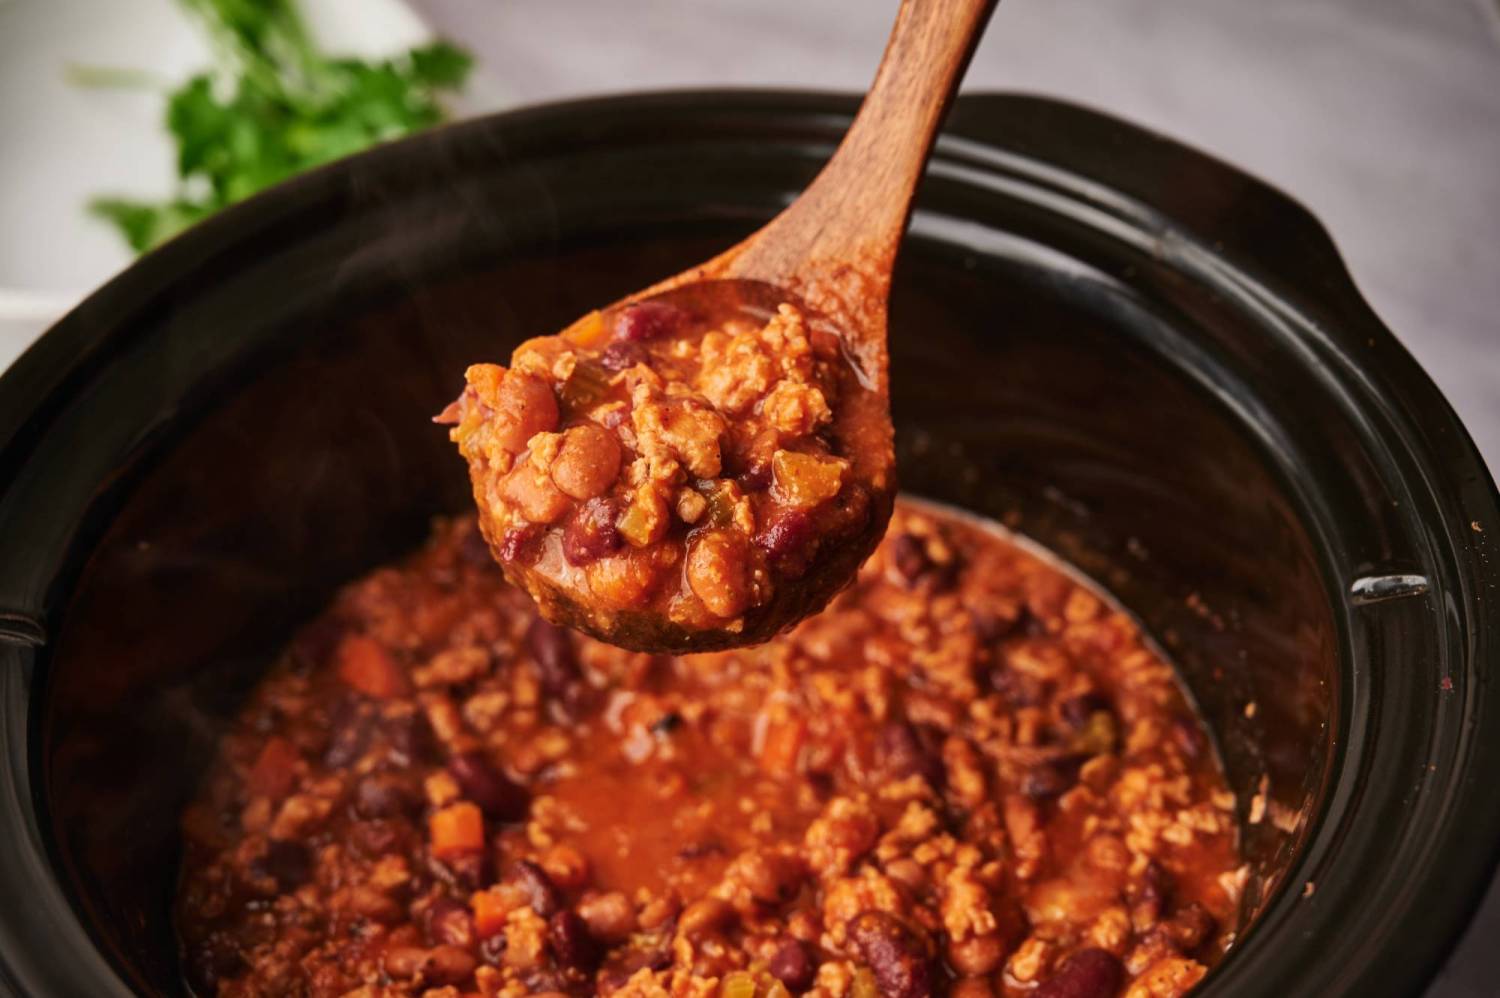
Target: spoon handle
<point>856,209</point>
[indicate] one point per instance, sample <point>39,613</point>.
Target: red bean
<point>572,943</point>
<point>520,544</point>
<point>893,953</point>
<point>541,893</point>
<point>619,356</point>
<point>788,540</point>
<point>902,753</point>
<point>449,921</point>
<point>793,966</point>
<point>494,792</point>
<point>1076,710</point>
<point>551,649</point>
<point>290,863</point>
<point>647,320</point>
<point>349,733</point>
<point>1089,973</point>
<point>590,534</point>
<point>1052,778</point>
<point>383,795</point>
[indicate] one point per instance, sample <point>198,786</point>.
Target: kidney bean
<point>793,965</point>
<point>788,540</point>
<point>572,943</point>
<point>556,662</point>
<point>463,873</point>
<point>520,544</point>
<point>348,733</point>
<point>893,953</point>
<point>1088,973</point>
<point>618,356</point>
<point>902,753</point>
<point>410,737</point>
<point>495,793</point>
<point>1076,710</point>
<point>289,863</point>
<point>589,533</point>
<point>1156,891</point>
<point>1018,688</point>
<point>647,320</point>
<point>379,836</point>
<point>1053,777</point>
<point>541,893</point>
<point>1189,927</point>
<point>449,921</point>
<point>384,795</point>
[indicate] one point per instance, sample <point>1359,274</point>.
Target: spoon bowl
<point>667,476</point>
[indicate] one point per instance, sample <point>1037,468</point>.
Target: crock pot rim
<point>79,345</point>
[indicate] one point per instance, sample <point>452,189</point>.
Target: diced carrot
<point>490,910</point>
<point>365,665</point>
<point>457,830</point>
<point>274,771</point>
<point>782,745</point>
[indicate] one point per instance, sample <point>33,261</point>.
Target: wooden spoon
<point>831,252</point>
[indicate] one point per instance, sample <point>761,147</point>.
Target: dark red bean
<point>1076,710</point>
<point>379,837</point>
<point>410,737</point>
<point>520,544</point>
<point>1089,973</point>
<point>449,921</point>
<point>647,320</point>
<point>990,626</point>
<point>290,863</point>
<point>551,649</point>
<point>348,733</point>
<point>1018,689</point>
<point>589,533</point>
<point>541,893</point>
<point>212,961</point>
<point>492,949</point>
<point>495,793</point>
<point>1189,927</point>
<point>916,567</point>
<point>384,795</point>
<point>572,943</point>
<point>789,542</point>
<point>463,873</point>
<point>893,953</point>
<point>618,356</point>
<point>1052,778</point>
<point>902,753</point>
<point>793,965</point>
<point>1157,888</point>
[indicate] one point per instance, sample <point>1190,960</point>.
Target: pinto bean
<point>524,407</point>
<point>893,953</point>
<point>704,916</point>
<point>718,571</point>
<point>588,461</point>
<point>1088,973</point>
<point>610,917</point>
<point>537,498</point>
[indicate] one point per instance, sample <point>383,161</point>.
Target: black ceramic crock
<point>1136,355</point>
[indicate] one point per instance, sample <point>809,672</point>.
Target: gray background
<point>1382,116</point>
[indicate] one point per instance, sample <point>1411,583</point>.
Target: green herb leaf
<point>277,107</point>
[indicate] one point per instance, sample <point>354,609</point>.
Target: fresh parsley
<point>275,106</point>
